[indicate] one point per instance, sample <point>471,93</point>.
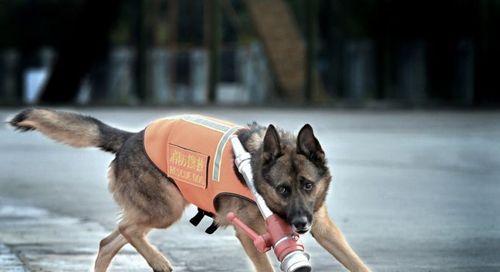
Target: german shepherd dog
<point>290,173</point>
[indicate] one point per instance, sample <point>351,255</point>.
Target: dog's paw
<point>162,267</point>
<point>164,270</point>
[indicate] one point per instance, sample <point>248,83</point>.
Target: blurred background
<point>402,95</point>
<point>236,52</point>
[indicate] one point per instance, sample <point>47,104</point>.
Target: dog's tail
<point>71,128</point>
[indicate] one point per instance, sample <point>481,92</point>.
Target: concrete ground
<point>412,191</point>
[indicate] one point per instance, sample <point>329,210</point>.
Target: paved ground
<point>413,191</point>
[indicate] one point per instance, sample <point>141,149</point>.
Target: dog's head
<point>291,175</point>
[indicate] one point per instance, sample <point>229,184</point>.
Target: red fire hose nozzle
<point>261,242</point>
<point>279,236</point>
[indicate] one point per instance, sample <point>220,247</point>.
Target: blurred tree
<point>279,32</point>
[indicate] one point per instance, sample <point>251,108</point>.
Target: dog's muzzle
<point>300,225</point>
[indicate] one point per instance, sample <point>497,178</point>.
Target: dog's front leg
<point>259,260</point>
<point>331,238</point>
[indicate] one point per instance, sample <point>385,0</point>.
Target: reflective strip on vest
<point>218,126</point>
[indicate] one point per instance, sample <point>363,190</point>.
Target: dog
<point>290,173</point>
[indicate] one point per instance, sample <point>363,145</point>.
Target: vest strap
<point>212,228</point>
<point>198,217</point>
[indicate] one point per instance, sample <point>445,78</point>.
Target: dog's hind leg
<point>136,236</point>
<point>148,199</point>
<point>331,238</point>
<point>108,248</point>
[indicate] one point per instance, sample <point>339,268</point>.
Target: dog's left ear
<point>271,145</point>
<point>309,146</point>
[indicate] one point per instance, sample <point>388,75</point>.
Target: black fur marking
<point>22,116</point>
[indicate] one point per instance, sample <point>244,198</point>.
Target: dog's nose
<point>300,224</point>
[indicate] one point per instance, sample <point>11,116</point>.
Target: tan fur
<point>62,128</point>
<point>255,141</point>
<point>148,199</point>
<point>108,248</point>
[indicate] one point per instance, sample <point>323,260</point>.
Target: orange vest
<point>195,151</point>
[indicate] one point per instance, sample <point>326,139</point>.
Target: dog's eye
<point>308,186</point>
<point>283,190</point>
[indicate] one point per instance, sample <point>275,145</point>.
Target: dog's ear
<point>271,145</point>
<point>309,146</point>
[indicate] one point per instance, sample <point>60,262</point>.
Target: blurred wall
<point>128,52</point>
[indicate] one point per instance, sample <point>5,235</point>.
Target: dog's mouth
<point>302,230</point>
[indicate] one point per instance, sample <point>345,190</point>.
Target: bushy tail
<point>71,128</point>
